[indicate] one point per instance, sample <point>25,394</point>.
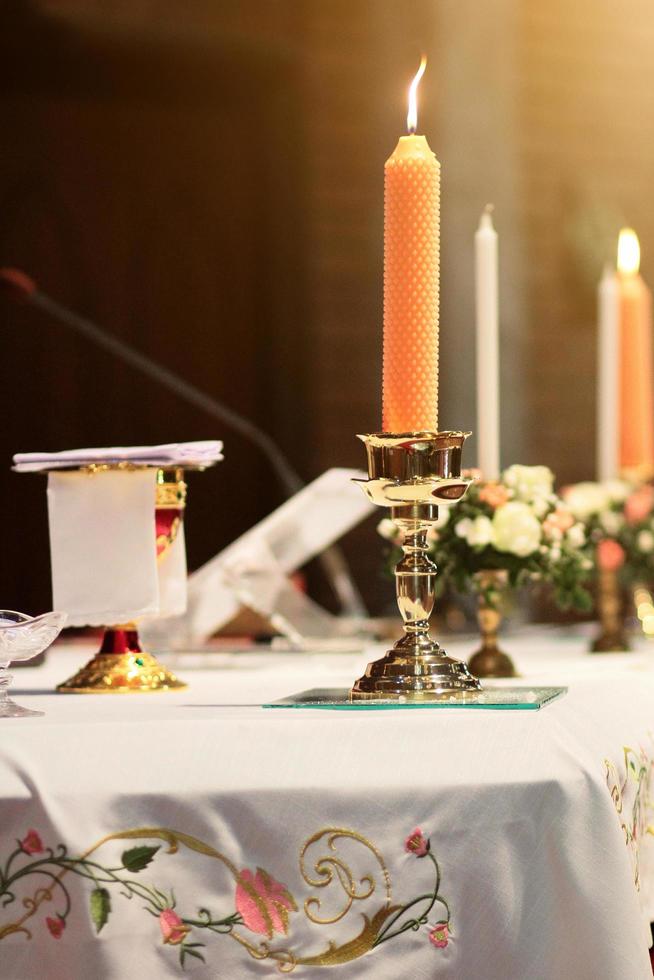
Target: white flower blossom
<point>617,490</point>
<point>388,529</point>
<point>515,529</point>
<point>585,499</point>
<point>529,483</point>
<point>477,532</point>
<point>577,536</point>
<point>645,541</point>
<point>540,506</point>
<point>611,521</point>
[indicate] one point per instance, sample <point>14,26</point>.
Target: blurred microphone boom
<point>21,288</point>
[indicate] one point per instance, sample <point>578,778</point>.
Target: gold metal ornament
<point>412,473</point>
<point>489,660</point>
<point>121,667</point>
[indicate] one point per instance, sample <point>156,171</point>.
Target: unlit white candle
<point>488,380</point>
<point>608,372</point>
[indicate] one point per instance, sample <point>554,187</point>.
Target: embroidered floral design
<point>631,798</point>
<point>416,843</point>
<point>173,929</point>
<point>31,843</point>
<point>439,935</point>
<point>263,903</point>
<point>56,926</point>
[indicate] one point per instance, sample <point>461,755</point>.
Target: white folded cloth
<point>202,453</point>
<point>103,548</point>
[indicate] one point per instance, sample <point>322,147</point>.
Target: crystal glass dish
<point>21,638</point>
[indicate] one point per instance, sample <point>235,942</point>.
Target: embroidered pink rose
<point>439,935</point>
<point>263,903</point>
<point>173,930</point>
<point>639,504</point>
<point>610,555</point>
<point>416,843</point>
<point>494,494</point>
<point>32,843</point>
<point>56,926</point>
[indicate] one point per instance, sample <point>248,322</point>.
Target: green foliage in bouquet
<point>517,525</point>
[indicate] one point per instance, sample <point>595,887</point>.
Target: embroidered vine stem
<point>415,923</point>
<point>221,926</point>
<point>61,859</point>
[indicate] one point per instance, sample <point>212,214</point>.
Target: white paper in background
<point>258,581</point>
<point>301,528</point>
<point>103,546</point>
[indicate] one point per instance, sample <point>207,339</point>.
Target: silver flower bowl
<point>21,638</point>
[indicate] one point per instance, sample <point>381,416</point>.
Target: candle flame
<point>412,115</point>
<point>628,252</point>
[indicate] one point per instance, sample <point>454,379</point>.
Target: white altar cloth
<point>539,875</point>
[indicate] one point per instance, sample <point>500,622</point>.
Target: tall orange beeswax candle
<point>411,281</point>
<point>636,363</point>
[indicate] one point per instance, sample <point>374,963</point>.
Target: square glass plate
<point>494,698</point>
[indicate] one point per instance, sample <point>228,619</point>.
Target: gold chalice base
<point>121,673</point>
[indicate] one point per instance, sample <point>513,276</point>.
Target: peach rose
<point>610,555</point>
<point>638,505</point>
<point>557,523</point>
<point>494,494</point>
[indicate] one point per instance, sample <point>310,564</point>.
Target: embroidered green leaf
<point>100,907</point>
<point>138,858</point>
<point>187,950</point>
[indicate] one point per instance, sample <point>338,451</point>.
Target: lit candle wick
<point>412,115</point>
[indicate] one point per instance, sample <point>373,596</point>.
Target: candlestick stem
<point>610,608</point>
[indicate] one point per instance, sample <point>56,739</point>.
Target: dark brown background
<point>205,179</point>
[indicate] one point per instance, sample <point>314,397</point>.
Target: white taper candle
<point>487,315</point>
<point>608,374</point>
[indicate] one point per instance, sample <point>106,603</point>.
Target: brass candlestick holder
<point>489,660</point>
<point>121,666</point>
<point>412,473</point>
<point>612,637</point>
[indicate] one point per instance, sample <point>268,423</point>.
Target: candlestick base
<point>414,672</point>
<point>412,473</point>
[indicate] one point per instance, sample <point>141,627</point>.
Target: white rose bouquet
<point>516,525</point>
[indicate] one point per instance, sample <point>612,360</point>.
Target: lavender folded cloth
<point>204,453</point>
